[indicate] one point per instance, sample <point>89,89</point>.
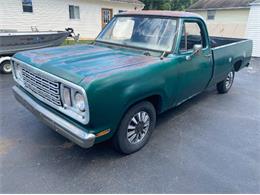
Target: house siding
<point>54,15</point>
<point>227,23</point>
<point>253,29</point>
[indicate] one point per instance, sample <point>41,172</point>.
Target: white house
<point>227,18</point>
<point>253,27</point>
<point>87,17</point>
<point>231,18</point>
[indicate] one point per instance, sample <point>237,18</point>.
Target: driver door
<point>195,70</point>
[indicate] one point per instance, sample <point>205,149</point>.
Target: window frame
<point>31,6</point>
<point>73,8</point>
<point>204,34</point>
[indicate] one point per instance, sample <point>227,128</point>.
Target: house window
<point>121,11</point>
<point>211,14</point>
<point>106,16</point>
<point>74,12</point>
<point>27,6</point>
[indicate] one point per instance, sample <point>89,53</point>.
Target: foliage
<point>72,42</point>
<point>167,4</point>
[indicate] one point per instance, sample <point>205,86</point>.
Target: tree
<point>181,4</point>
<point>153,4</point>
<point>167,4</point>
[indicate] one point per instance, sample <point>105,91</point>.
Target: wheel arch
<point>155,99</point>
<point>237,64</point>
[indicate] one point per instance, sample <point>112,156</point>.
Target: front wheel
<point>6,67</point>
<point>225,86</point>
<point>135,128</point>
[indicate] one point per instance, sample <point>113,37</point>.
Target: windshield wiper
<point>124,44</point>
<point>147,53</point>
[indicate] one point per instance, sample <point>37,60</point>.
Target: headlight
<point>80,102</point>
<point>75,102</point>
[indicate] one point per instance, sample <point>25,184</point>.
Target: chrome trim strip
<point>68,130</point>
<point>81,117</point>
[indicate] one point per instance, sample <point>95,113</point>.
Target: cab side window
<point>191,35</point>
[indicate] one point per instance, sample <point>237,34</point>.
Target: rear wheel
<point>135,128</point>
<point>6,67</point>
<point>225,85</point>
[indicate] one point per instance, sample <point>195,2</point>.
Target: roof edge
<point>255,3</point>
<point>139,3</point>
<point>176,14</point>
<point>221,4</point>
<point>226,8</point>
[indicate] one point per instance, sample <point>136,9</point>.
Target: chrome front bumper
<point>68,130</point>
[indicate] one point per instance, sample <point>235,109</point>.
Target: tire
<point>137,125</point>
<point>225,85</point>
<point>5,67</point>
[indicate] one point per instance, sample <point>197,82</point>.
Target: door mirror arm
<point>196,50</point>
<point>164,54</point>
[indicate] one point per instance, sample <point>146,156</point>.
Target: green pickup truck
<point>142,64</point>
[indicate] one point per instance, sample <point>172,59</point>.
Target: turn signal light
<point>102,133</point>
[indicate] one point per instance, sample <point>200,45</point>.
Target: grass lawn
<point>72,42</point>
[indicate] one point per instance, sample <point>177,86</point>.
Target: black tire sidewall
<point>221,87</point>
<point>122,144</point>
<point>2,67</point>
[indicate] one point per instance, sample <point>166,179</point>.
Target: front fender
<point>111,96</point>
<point>142,90</point>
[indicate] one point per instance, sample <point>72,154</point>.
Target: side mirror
<point>196,50</point>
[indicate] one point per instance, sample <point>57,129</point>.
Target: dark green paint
<point>116,78</point>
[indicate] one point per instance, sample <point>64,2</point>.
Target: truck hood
<point>75,63</point>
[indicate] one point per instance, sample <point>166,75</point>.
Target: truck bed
<point>229,53</point>
<point>220,41</point>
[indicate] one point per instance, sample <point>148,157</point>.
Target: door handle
<point>209,57</point>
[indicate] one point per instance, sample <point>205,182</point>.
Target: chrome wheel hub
<point>138,127</point>
<point>229,80</point>
<point>7,68</point>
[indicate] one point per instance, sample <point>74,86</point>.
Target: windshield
<point>141,32</point>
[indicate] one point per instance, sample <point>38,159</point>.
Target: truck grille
<point>41,86</point>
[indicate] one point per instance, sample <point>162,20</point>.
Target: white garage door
<point>253,27</point>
